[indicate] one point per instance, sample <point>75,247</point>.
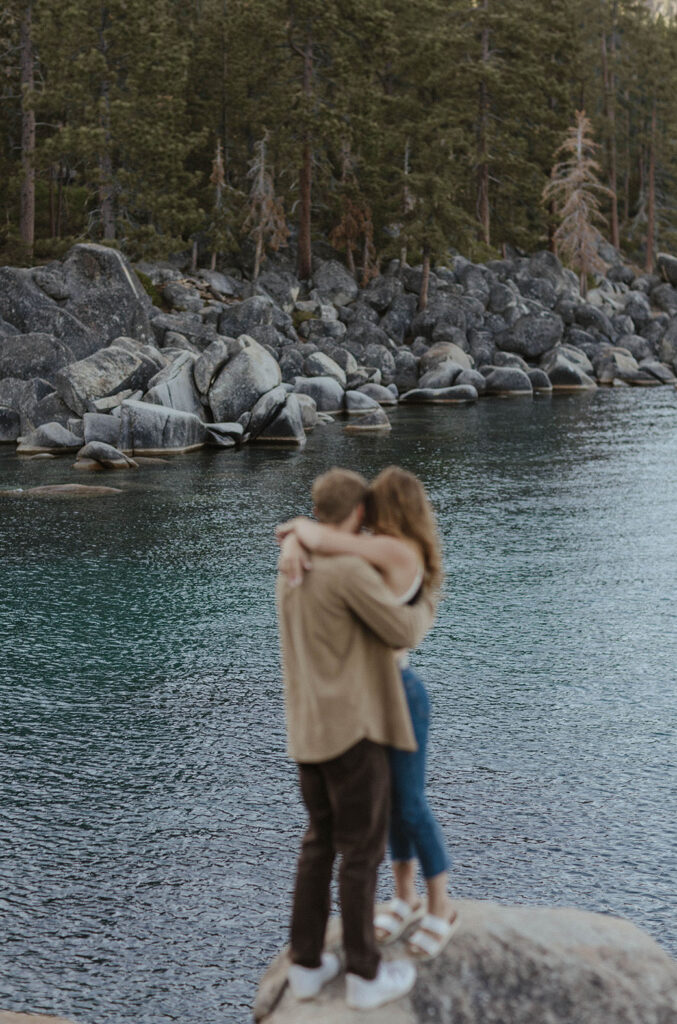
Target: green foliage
<point>449,111</point>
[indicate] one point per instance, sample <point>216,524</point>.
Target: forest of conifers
<point>378,125</point>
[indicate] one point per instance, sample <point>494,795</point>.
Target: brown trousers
<point>348,803</point>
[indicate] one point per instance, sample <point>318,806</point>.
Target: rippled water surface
<point>149,819</point>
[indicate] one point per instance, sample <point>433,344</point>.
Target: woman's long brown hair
<point>398,506</point>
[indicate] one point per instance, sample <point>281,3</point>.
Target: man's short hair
<point>337,493</point>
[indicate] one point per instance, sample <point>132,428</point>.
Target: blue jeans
<point>414,832</point>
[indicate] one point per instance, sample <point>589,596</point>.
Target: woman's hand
<point>293,560</point>
<point>309,533</point>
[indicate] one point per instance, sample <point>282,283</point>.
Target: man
<point>339,628</point>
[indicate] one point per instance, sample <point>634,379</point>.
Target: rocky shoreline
<point>89,365</point>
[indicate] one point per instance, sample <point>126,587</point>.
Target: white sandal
<point>431,937</point>
<point>394,919</point>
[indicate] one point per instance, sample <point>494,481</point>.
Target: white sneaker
<point>394,979</point>
<point>306,982</point>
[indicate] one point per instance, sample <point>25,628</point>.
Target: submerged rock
<point>60,491</point>
<point>373,422</point>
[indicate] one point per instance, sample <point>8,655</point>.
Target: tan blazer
<point>339,630</point>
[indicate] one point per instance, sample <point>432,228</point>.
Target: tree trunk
<point>106,192</point>
<point>483,209</point>
<point>27,209</point>
<point>651,209</point>
<point>610,109</point>
<point>305,266</point>
<point>258,258</point>
<point>425,279</point>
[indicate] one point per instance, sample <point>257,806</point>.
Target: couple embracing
<point>351,604</point>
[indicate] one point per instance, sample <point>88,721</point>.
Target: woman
<point>403,545</point>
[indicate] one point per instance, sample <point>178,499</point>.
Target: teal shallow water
<point>149,819</point>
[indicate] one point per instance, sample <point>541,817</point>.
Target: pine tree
<point>575,190</point>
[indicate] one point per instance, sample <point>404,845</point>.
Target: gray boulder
<point>441,376</point>
<point>458,394</point>
<point>540,381</point>
<point>667,267</point>
<point>103,373</point>
<point>637,345</point>
<point>382,291</point>
<point>224,435</point>
<point>592,318</point>
<point>667,349</point>
<point>266,409</point>
<point>174,386</point>
<point>638,308</point>
<point>357,403</point>
<point>50,409</point>
<point>10,424</point>
<point>206,367</point>
<point>532,334</point>
<point>508,965</point>
<point>326,392</point>
<point>334,282</point>
<point>382,359</point>
<point>183,296</point>
<point>618,364</point>
<point>565,375</point>
<point>361,334</point>
<point>104,456</point>
<point>105,295</point>
<point>406,370</point>
<point>660,371</point>
<point>49,437</point>
<point>30,311</point>
<point>664,296</point>
<point>508,381</point>
<point>308,410</point>
<point>287,426</point>
<point>396,323</point>
<point>282,287</point>
<point>221,285</point>
<point>510,359</point>
<point>239,318</point>
<point>318,364</point>
<point>373,422</point>
<point>242,381</point>
<point>474,378</point>
<point>379,393</point>
<point>97,426</point>
<point>291,364</point>
<point>188,326</point>
<point>482,346</point>
<point>444,351</point>
<point>32,355</point>
<point>147,429</point>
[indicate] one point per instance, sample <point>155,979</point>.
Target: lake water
<point>149,819</point>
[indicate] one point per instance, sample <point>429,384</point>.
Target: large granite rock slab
<point>174,386</point>
<point>508,965</point>
<point>103,373</point>
<point>105,294</point>
<point>30,311</point>
<point>147,429</point>
<point>242,381</point>
<point>287,425</point>
<point>32,355</point>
